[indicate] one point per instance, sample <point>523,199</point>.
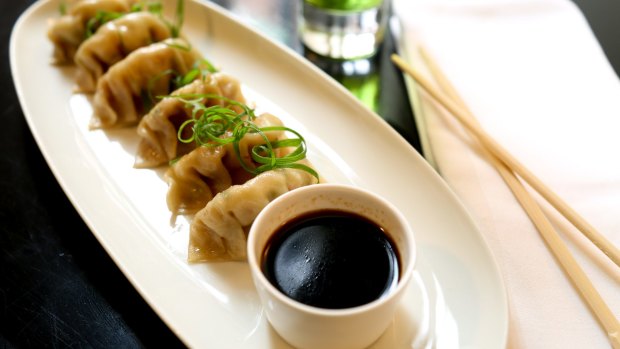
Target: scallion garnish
<point>100,18</point>
<point>221,125</point>
<point>62,8</point>
<point>178,19</point>
<point>175,27</point>
<point>154,7</point>
<point>181,47</point>
<point>200,69</point>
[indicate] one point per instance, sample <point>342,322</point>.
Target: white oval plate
<point>458,299</point>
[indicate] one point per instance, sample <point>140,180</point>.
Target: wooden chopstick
<point>600,241</point>
<point>529,204</point>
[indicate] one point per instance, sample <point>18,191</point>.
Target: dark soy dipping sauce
<point>331,259</point>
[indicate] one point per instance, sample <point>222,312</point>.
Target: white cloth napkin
<point>537,80</point>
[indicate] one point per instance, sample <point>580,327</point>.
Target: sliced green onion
<point>187,47</point>
<point>221,125</point>
<point>209,68</point>
<point>62,8</point>
<point>178,20</point>
<point>154,7</point>
<point>100,18</point>
<point>178,80</point>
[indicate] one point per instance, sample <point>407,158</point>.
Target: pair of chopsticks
<point>510,170</point>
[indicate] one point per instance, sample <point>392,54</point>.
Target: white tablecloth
<point>537,80</point>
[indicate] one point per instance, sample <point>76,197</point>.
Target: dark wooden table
<point>58,287</point>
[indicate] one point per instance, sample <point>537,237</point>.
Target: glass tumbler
<point>343,29</point>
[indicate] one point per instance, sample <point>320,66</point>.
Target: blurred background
<point>58,287</point>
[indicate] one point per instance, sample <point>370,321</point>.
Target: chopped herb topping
<point>221,125</point>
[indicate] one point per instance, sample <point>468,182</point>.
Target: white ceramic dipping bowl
<point>305,326</point>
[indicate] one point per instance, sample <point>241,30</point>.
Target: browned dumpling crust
<point>69,31</point>
<point>113,42</point>
<point>123,93</point>
<point>218,232</point>
<point>209,170</point>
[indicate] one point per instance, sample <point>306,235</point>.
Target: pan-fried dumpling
<point>114,41</point>
<point>195,179</point>
<point>69,31</point>
<point>123,92</point>
<point>208,170</point>
<point>158,129</point>
<point>218,232</point>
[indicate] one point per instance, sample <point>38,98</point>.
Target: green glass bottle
<point>345,5</point>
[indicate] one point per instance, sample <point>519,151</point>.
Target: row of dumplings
<point>127,57</point>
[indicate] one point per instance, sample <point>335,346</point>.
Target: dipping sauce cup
<point>330,263</point>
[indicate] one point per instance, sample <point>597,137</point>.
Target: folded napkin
<point>537,80</point>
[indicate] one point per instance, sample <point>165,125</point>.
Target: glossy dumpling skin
<point>195,179</point>
<point>121,97</point>
<point>114,41</point>
<point>208,170</point>
<point>158,129</point>
<point>69,31</point>
<point>219,231</point>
